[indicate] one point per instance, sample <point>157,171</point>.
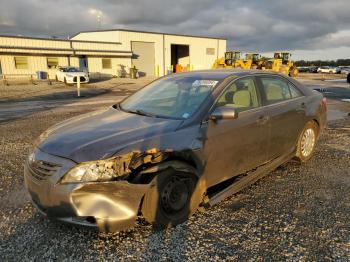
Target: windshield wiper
<point>143,113</point>
<point>137,111</point>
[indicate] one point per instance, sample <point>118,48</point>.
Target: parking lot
<point>298,212</point>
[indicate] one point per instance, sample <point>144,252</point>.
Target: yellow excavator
<point>281,63</point>
<point>232,59</point>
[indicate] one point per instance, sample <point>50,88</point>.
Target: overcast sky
<point>311,29</point>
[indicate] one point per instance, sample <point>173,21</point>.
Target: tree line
<point>339,62</point>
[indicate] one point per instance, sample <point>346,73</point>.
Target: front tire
<point>293,72</point>
<point>172,199</point>
<point>307,141</point>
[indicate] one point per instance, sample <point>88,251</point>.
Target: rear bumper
<point>110,206</point>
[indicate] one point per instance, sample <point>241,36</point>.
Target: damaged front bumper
<point>110,206</point>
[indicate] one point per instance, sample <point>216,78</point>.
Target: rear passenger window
<point>241,95</point>
<point>277,90</point>
<point>294,91</point>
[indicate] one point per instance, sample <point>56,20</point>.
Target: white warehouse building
<point>108,51</point>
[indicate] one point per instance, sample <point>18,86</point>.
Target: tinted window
<point>241,94</point>
<point>277,89</point>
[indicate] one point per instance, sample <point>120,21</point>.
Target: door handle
<point>263,120</point>
<point>301,109</point>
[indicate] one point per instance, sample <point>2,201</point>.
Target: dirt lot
<point>298,212</point>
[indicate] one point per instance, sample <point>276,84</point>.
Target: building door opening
<point>180,57</point>
<point>143,57</point>
<point>83,63</point>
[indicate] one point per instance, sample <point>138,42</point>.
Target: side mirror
<point>223,113</point>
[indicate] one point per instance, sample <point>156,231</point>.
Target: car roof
<point>224,73</point>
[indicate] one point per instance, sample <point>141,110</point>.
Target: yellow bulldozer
<point>232,59</point>
<point>254,60</point>
<point>281,63</point>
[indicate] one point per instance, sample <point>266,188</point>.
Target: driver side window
<point>241,95</point>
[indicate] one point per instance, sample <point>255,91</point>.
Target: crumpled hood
<point>101,134</point>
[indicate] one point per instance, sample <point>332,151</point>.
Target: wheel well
<point>318,127</point>
<point>316,121</point>
<point>147,176</point>
<point>146,170</point>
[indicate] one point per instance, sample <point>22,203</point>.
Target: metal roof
<point>59,39</point>
<point>147,32</point>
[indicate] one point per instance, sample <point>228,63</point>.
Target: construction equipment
<point>232,59</point>
<point>281,63</point>
<point>228,61</point>
<point>255,60</point>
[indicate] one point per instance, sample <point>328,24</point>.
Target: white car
<point>69,75</point>
<point>345,70</point>
<point>328,70</point>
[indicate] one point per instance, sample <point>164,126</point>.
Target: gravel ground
<point>42,90</point>
<point>298,212</point>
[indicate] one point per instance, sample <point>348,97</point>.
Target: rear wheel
<point>268,64</point>
<point>293,72</point>
<point>307,141</point>
<point>173,199</point>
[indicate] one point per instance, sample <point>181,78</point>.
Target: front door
<point>234,146</point>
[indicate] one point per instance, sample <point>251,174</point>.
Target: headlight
<point>101,170</point>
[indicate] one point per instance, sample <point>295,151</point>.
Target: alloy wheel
<point>308,142</point>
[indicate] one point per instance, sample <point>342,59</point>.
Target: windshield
<point>237,56</point>
<point>71,69</point>
<point>285,56</point>
<point>176,97</point>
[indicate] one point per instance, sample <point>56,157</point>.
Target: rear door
<point>285,106</point>
<point>234,146</point>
